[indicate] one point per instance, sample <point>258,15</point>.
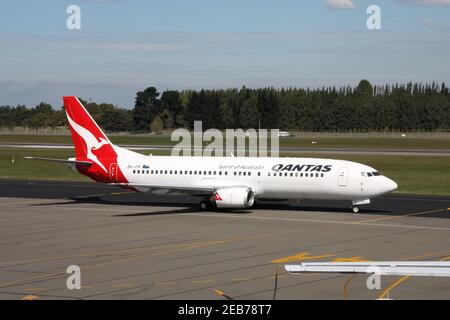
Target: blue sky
<point>124,46</point>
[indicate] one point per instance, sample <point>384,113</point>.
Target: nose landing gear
<point>357,203</point>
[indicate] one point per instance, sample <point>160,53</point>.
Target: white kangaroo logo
<point>91,142</point>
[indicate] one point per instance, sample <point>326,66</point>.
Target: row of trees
<point>410,107</point>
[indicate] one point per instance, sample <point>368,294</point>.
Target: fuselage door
<point>342,176</point>
<point>113,172</point>
<point>363,183</point>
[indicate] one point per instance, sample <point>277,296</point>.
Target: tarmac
<point>142,246</point>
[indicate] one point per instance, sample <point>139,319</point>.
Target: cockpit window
<point>370,174</point>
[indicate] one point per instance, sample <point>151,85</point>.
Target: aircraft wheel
<point>203,205</point>
<point>355,209</point>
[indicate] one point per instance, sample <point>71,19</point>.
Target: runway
<point>357,151</point>
<point>142,246</point>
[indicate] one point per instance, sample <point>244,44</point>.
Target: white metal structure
<point>388,268</point>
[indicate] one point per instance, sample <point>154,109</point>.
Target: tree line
<point>399,107</point>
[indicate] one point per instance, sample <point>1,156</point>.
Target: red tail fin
<point>89,140</point>
<point>85,132</point>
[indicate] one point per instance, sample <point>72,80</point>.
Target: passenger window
<point>226,173</point>
<point>249,173</point>
<point>220,173</point>
<point>292,174</point>
<point>321,175</point>
<point>259,174</point>
<point>317,175</point>
<point>209,172</point>
<point>134,171</point>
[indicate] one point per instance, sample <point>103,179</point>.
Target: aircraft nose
<point>391,185</point>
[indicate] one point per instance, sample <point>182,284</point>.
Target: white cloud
<point>427,2</point>
<point>341,4</point>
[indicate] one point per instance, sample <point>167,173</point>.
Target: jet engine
<point>237,197</point>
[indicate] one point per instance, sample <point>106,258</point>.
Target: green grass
<point>420,175</point>
<point>397,143</point>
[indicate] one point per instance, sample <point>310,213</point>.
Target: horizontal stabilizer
<point>69,161</point>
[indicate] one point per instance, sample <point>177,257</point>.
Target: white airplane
<point>222,182</point>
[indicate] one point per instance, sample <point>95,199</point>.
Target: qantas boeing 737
<point>222,182</point>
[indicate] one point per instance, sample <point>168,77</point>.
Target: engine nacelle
<point>238,197</point>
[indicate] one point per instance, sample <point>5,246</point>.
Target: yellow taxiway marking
<point>300,257</point>
<point>345,288</point>
<point>397,216</point>
<point>31,297</point>
<point>350,259</point>
<point>386,291</point>
<point>220,293</point>
<point>122,285</point>
<point>241,279</point>
<point>33,289</point>
<point>87,286</point>
<point>165,283</point>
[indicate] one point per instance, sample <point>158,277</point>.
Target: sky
<point>124,46</point>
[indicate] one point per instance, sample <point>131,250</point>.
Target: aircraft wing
<point>388,268</point>
<point>164,189</point>
<point>69,161</point>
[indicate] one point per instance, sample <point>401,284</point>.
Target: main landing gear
<point>203,205</point>
<point>207,205</point>
<point>355,209</point>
